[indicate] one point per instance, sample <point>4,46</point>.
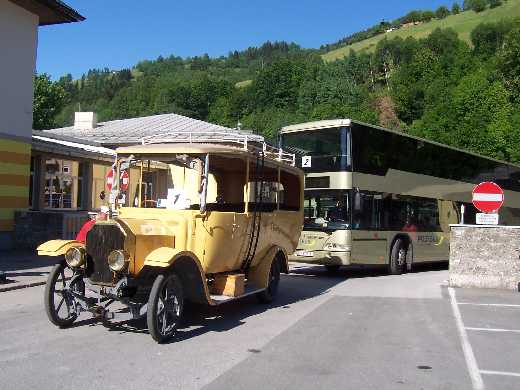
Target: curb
<point>20,286</point>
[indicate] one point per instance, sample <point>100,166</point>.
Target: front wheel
<point>59,301</point>
<point>165,306</point>
<point>269,294</point>
<point>398,257</point>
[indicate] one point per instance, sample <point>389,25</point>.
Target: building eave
<point>50,11</point>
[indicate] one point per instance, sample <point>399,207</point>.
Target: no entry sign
<point>124,180</point>
<point>110,179</point>
<point>488,197</point>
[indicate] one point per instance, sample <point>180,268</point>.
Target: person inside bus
<point>410,225</point>
<point>337,213</point>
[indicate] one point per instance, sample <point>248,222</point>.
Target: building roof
<point>50,11</point>
<point>132,131</point>
<point>70,148</point>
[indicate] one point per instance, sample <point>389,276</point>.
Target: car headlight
<point>75,257</point>
<point>118,260</point>
<point>332,246</point>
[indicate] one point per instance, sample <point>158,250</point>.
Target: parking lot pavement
<point>356,329</point>
<point>490,326</point>
<point>24,268</point>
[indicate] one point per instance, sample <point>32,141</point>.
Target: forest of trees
<point>438,87</point>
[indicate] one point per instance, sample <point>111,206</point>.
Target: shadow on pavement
<point>354,272</point>
<point>201,319</point>
<point>19,260</point>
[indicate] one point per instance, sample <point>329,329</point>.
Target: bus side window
<point>367,211</point>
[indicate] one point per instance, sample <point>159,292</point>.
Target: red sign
<point>488,197</point>
<point>125,180</point>
<point>110,180</point>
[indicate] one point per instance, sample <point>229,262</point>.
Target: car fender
<point>57,247</point>
<point>164,257</point>
<point>187,266</point>
<point>259,274</point>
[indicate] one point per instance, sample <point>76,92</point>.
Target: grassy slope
<point>462,23</point>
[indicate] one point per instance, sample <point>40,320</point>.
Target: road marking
<point>488,304</point>
<point>471,362</point>
<point>494,330</point>
<point>505,373</point>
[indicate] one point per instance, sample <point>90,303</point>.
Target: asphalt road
<point>354,330</point>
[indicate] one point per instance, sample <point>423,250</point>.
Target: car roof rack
<point>250,142</point>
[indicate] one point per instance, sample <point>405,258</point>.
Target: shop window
<point>62,184</point>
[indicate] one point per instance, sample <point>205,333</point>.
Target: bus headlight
<point>75,257</point>
<point>118,260</point>
<point>331,246</point>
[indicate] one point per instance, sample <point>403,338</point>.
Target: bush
<point>479,5</point>
<point>442,12</point>
<point>455,9</point>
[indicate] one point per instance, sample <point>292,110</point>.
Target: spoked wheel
<point>59,301</point>
<point>269,294</point>
<point>165,306</point>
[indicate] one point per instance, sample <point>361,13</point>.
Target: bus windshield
<point>325,149</point>
<point>327,210</point>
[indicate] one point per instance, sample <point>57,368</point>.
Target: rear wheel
<point>398,257</point>
<point>269,294</point>
<point>165,306</point>
<point>332,269</point>
<point>59,301</point>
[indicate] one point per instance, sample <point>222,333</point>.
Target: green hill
<point>462,23</point>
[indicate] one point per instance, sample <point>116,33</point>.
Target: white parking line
<point>505,373</point>
<point>471,362</point>
<point>494,330</point>
<point>488,304</point>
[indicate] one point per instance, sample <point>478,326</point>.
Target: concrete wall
<point>485,256</point>
<point>18,42</point>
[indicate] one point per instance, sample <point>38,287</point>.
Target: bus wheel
<point>397,258</point>
<point>332,269</point>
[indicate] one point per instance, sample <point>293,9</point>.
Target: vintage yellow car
<point>205,219</point>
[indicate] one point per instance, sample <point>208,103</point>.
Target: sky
<point>118,34</point>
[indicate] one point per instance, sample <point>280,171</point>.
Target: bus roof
<point>331,123</point>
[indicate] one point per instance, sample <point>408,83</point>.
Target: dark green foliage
<point>455,9</point>
<point>487,38</point>
<point>49,98</point>
<point>479,5</point>
<point>442,12</point>
<point>436,87</point>
<point>495,3</point>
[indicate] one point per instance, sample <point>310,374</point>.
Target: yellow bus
<point>374,196</point>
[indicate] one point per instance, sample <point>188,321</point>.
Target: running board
<point>220,299</point>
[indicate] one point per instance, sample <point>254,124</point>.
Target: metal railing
<point>249,142</point>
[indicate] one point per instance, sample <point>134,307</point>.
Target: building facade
<point>19,22</point>
<point>68,169</point>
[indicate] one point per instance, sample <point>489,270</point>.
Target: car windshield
<point>327,210</point>
<point>171,183</point>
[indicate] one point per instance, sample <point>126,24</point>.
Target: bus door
<point>369,242</point>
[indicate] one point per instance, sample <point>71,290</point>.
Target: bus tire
<point>332,269</point>
<point>397,257</point>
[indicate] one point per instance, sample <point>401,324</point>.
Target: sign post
<point>488,197</point>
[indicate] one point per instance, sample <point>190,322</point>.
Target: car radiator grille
<point>101,240</point>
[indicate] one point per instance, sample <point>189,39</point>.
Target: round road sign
<point>488,197</point>
<point>110,179</point>
<point>124,180</point>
